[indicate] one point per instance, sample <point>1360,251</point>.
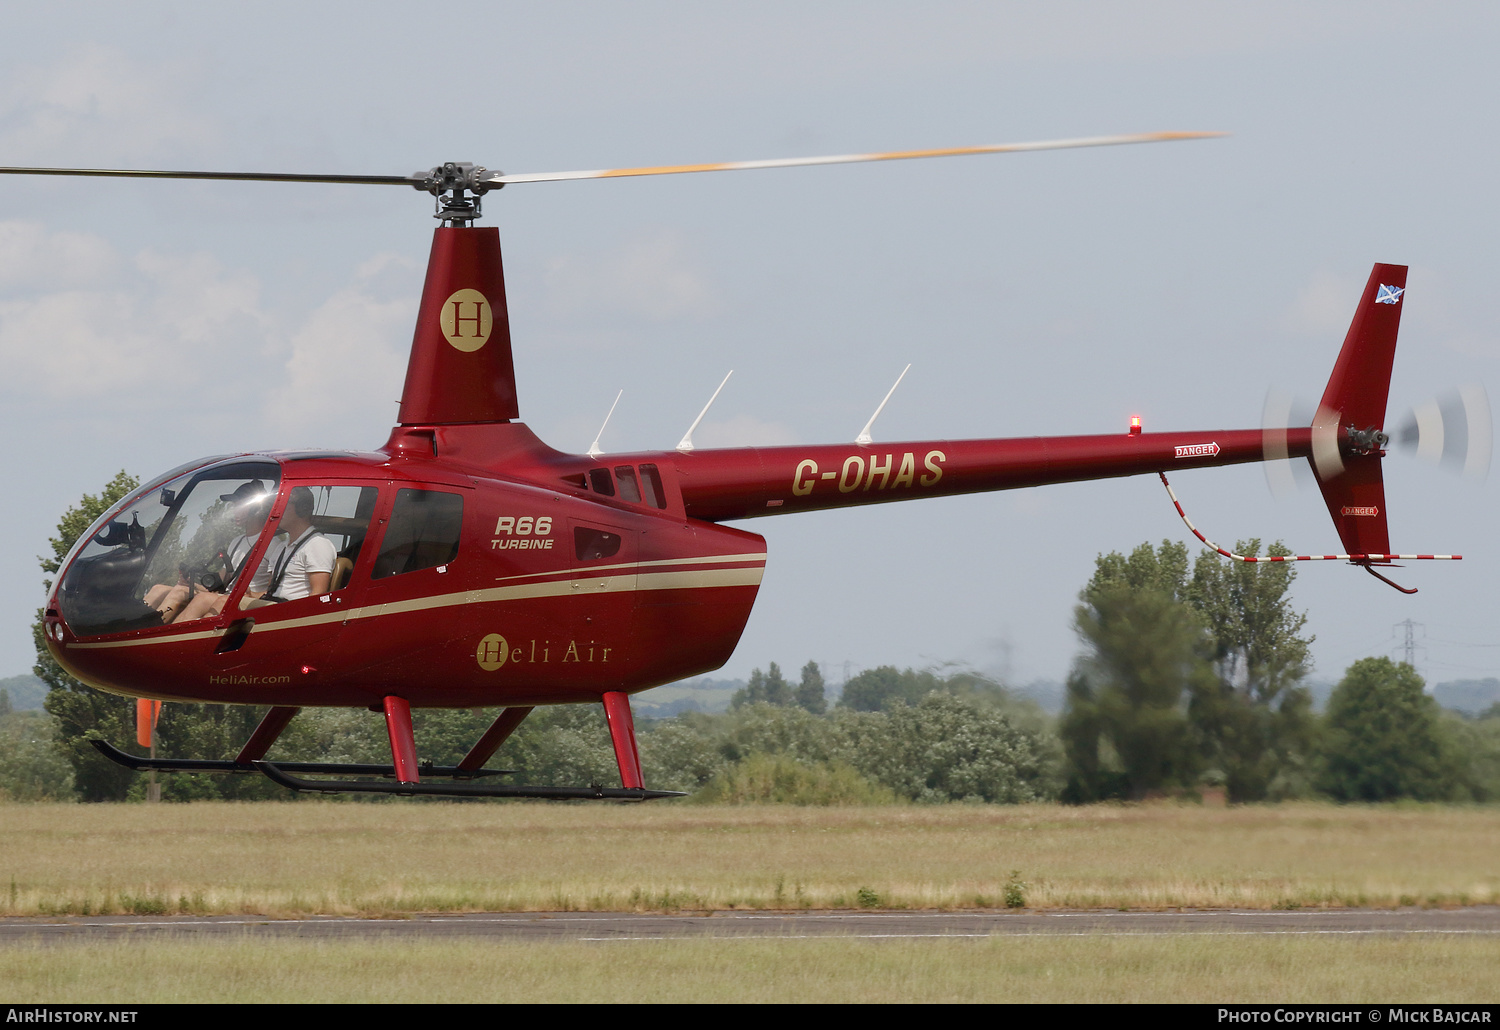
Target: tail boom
<point>748,482</point>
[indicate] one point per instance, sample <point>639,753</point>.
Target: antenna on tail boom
<point>594,450</point>
<point>864,434</point>
<point>685,445</point>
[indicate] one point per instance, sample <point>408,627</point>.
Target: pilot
<point>303,565</point>
<point>251,505</point>
<point>184,600</point>
<point>169,599</point>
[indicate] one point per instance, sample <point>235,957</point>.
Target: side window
<point>423,532</point>
<point>342,515</point>
<point>600,483</point>
<point>651,487</point>
<point>313,548</point>
<point>629,490</point>
<point>593,544</point>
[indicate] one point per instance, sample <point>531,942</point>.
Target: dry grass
<point>1362,970</point>
<point>320,857</point>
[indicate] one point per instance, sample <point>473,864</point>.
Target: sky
<point>143,324</point>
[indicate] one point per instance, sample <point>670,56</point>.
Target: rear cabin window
<point>600,482</point>
<point>638,486</point>
<point>651,489</point>
<point>423,532</point>
<point>629,489</point>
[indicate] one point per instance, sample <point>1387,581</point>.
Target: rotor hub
<point>456,187</point>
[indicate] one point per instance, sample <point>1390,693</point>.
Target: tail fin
<point>1348,438</point>
<point>460,368</point>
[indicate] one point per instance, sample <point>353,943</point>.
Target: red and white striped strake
<point>1362,559</point>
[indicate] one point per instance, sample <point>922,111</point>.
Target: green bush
<point>1015,890</point>
<point>31,766</point>
<point>1383,739</point>
<point>780,779</point>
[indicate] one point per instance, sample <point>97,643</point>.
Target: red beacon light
<point>1135,425</point>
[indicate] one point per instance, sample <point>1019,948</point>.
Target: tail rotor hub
<point>1366,441</point>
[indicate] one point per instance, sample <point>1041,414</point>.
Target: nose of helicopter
<point>54,628</point>
<point>57,635</point>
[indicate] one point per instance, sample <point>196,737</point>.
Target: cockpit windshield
<point>149,556</point>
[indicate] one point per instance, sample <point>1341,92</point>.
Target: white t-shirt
<point>314,552</point>
<point>238,550</point>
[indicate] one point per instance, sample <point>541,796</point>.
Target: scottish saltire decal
<point>1389,294</point>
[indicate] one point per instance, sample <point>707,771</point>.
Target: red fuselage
<point>478,567</point>
<point>571,575</point>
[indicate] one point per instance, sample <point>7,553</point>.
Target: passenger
<point>248,507</point>
<point>304,564</point>
<point>252,504</point>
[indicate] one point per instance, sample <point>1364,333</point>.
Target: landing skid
<point>405,770</point>
<point>277,772</point>
<point>139,764</point>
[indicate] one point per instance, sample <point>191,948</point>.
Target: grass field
<point>828,970</point>
<point>388,859</point>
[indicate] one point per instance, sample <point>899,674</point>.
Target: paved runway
<point>604,927</point>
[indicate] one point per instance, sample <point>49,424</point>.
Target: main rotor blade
<point>894,155</point>
<point>422,180</point>
<point>134,173</point>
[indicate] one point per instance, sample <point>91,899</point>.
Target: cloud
<point>347,363</point>
<point>197,302</point>
<point>655,277</point>
<point>162,337</point>
<point>80,321</point>
<point>33,258</point>
<point>96,101</point>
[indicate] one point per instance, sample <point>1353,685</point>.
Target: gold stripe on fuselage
<point>750,574</point>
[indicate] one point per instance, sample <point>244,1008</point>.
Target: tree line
<point>1192,676</point>
<point>1189,678</point>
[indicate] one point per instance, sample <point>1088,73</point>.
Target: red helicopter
<point>465,564</point>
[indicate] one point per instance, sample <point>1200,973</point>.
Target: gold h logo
<point>491,652</point>
<point>466,320</point>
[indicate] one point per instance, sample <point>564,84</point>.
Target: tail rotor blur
<point>1453,429</point>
